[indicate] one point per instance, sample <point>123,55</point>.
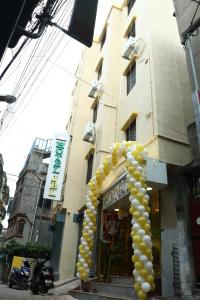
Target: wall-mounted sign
<point>55,175</point>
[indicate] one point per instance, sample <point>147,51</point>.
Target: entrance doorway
<point>195,224</point>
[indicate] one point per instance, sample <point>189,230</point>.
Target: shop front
<point>115,244</point>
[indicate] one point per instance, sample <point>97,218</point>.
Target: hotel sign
<point>116,192</point>
<point>56,170</point>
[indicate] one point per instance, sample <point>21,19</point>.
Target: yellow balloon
<point>144,272</point>
<point>150,279</point>
<point>142,221</point>
<point>136,215</point>
<point>153,286</point>
<point>139,196</point>
<point>140,147</point>
<point>135,259</point>
<point>142,246</point>
<point>132,210</point>
<point>131,170</point>
<point>137,287</point>
<point>142,295</point>
<point>136,239</point>
<point>134,191</point>
<point>138,265</point>
<point>137,175</point>
<point>147,227</point>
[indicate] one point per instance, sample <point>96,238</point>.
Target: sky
<point>43,107</point>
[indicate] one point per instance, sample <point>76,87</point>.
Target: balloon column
<point>139,209</point>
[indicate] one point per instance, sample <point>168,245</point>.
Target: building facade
<point>188,19</point>
<point>29,216</point>
<point>4,193</point>
<point>141,92</point>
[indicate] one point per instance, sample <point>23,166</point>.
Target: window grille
<point>130,5</point>
<point>103,39</point>
<point>132,31</point>
<point>89,169</point>
<point>131,132</point>
<point>95,112</point>
<point>131,78</point>
<point>20,228</point>
<point>99,72</point>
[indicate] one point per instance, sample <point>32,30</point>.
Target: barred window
<point>89,168</point>
<point>130,5</point>
<point>103,39</point>
<point>132,31</point>
<point>95,112</point>
<point>20,227</point>
<point>131,78</point>
<point>131,132</point>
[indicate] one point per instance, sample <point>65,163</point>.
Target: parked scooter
<point>19,277</point>
<point>43,277</point>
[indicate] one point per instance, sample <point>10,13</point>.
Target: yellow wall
<point>160,99</point>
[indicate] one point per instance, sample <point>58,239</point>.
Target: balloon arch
<point>139,209</point>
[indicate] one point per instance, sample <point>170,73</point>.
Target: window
<point>131,31</point>
<point>95,111</point>
<point>131,132</point>
<point>20,227</point>
<point>130,5</point>
<point>89,169</point>
<point>103,39</point>
<point>99,72</point>
<point>131,78</point>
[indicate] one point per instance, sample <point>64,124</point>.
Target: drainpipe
<point>195,92</point>
<point>36,206</point>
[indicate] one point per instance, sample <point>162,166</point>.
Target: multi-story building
<point>29,216</point>
<point>141,92</point>
<point>4,193</point>
<point>188,18</point>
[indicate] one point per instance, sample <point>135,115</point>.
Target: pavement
<point>58,293</point>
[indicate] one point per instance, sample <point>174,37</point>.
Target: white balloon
<point>139,279</point>
<point>136,227</point>
<point>143,259</point>
<point>133,221</point>
<point>146,215</point>
<point>135,203</point>
<point>132,180</point>
<point>143,190</point>
<point>85,265</point>
<point>146,239</point>
<point>84,244</point>
<point>135,163</point>
<point>77,274</point>
<point>139,169</point>
<point>136,273</point>
<point>138,184</point>
<point>82,260</point>
<point>145,287</point>
<point>90,232</point>
<point>141,232</point>
<point>141,208</point>
<point>149,265</point>
<point>90,224</point>
<point>137,252</point>
<point>146,197</point>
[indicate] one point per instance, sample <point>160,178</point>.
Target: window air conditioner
<point>90,133</point>
<point>129,47</point>
<point>95,89</point>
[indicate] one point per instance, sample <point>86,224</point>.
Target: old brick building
<point>29,217</point>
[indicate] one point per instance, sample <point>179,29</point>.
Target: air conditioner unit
<point>129,47</point>
<point>95,89</point>
<point>90,133</point>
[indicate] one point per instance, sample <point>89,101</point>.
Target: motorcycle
<point>19,277</point>
<point>43,278</point>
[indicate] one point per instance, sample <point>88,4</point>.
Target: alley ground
<point>59,293</point>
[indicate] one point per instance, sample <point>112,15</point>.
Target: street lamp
<point>8,98</point>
